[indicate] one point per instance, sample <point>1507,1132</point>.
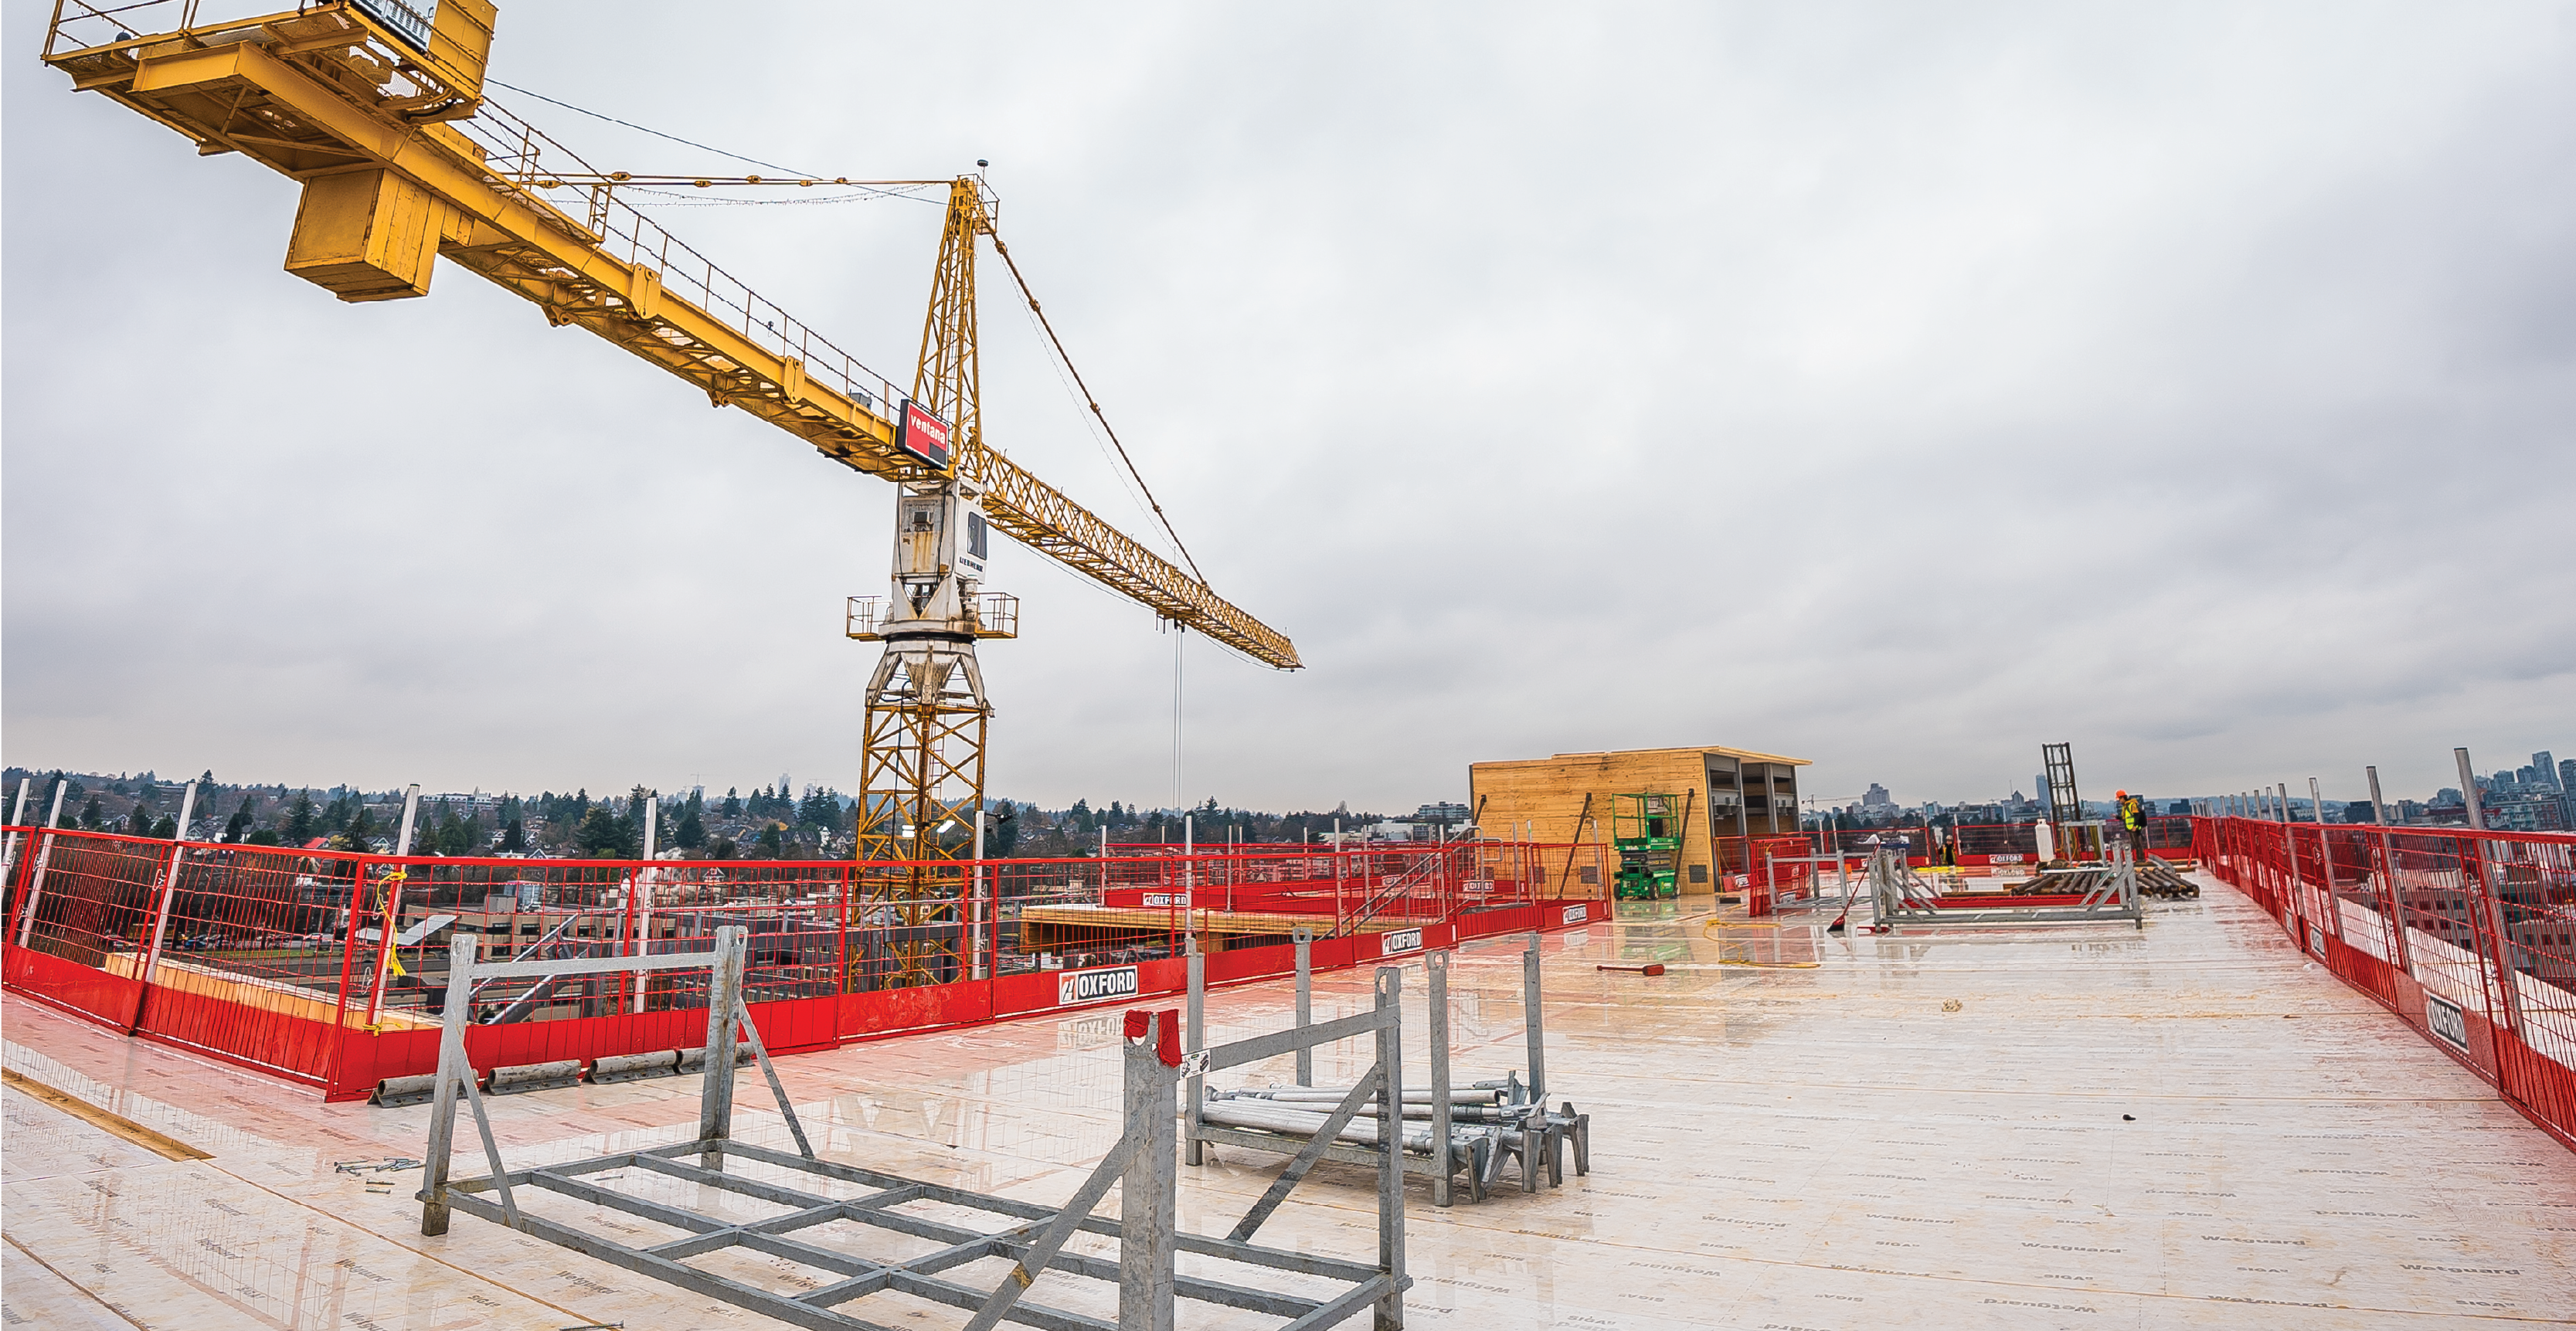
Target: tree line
<point>769,823</point>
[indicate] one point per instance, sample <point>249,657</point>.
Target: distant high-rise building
<point>1875,795</point>
<point>2547,766</point>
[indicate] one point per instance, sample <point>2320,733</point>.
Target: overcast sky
<point>1894,386</point>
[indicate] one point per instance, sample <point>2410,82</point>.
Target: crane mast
<point>376,107</point>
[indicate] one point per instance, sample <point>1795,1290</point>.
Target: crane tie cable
<point>1094,403</point>
<point>641,129</point>
<point>1007,260</point>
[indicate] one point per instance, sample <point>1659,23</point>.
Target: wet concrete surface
<point>1862,1131</point>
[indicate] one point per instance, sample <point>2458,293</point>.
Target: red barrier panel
<point>896,1011</point>
<point>81,990</point>
<point>297,1048</point>
<point>2469,937</point>
<point>329,968</point>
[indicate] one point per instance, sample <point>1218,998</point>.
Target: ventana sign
<point>1073,987</point>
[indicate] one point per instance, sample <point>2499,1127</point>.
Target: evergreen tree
<point>723,849</point>
<point>140,822</point>
<point>604,835</point>
<point>514,838</point>
<point>692,832</point>
<point>460,835</point>
<point>772,844</point>
<point>301,822</point>
<point>361,829</point>
<point>167,829</point>
<point>732,807</point>
<point>237,826</point>
<point>91,818</point>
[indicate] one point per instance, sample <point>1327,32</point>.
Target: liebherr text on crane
<point>377,107</point>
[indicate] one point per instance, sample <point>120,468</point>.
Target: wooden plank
<point>117,1125</point>
<point>1222,923</point>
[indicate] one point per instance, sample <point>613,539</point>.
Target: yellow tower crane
<point>377,107</point>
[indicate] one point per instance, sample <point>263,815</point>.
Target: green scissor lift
<point>1646,831</point>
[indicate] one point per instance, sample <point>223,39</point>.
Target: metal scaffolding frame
<point>1508,1122</point>
<point>1142,1163</point>
<point>2106,892</point>
<point>2064,805</point>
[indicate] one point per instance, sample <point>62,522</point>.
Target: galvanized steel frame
<point>1142,1161</point>
<point>1539,1139</point>
<point>1900,897</point>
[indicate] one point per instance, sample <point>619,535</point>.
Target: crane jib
<point>406,166</point>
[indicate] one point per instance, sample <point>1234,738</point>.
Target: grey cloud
<point>1897,387</point>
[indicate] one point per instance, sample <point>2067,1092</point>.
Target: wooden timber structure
<point>1088,928</point>
<point>1731,799</point>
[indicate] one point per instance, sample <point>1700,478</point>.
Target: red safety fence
<point>329,968</point>
<point>2002,845</point>
<point>2468,936</point>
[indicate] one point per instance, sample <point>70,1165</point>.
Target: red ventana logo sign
<point>922,435</point>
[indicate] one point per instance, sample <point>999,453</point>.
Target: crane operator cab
<point>942,541</point>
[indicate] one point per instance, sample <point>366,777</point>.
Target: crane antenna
<point>1094,403</point>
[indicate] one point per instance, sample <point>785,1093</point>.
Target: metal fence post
<point>169,886</point>
<point>451,1063</point>
<point>1148,1210</point>
<point>2481,884</point>
<point>2387,869</point>
<point>1390,1143</point>
<point>639,900</point>
<point>9,858</point>
<point>975,906</point>
<point>44,858</point>
<point>2325,861</point>
<point>724,1006</point>
<point>411,813</point>
<point>1435,967</point>
<point>1535,1021</point>
<point>1194,1090</point>
<point>1305,1000</point>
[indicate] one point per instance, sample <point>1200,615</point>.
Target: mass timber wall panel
<point>1729,793</point>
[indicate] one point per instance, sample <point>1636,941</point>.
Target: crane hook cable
<point>1094,404</point>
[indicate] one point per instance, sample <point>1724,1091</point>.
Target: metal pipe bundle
<point>1254,1113</point>
<point>1332,1095</point>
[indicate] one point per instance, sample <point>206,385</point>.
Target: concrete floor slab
<point>1868,1132</point>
